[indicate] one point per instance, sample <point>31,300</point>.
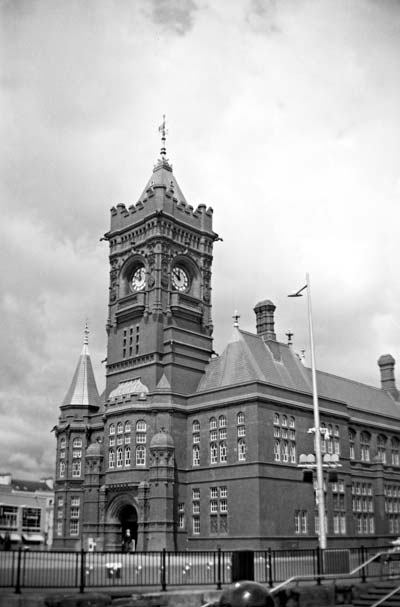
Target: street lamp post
<point>320,495</point>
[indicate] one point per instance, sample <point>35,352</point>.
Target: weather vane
<point>163,130</point>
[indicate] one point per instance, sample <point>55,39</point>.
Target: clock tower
<point>159,324</point>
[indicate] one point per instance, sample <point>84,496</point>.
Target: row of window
<point>131,342</point>
<point>218,452</point>
<point>382,446</point>
<point>364,523</point>
<point>218,510</point>
<point>125,428</point>
<point>221,422</point>
<point>74,514</point>
<point>122,457</point>
<point>31,518</point>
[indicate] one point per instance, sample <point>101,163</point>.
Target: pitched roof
<point>26,485</point>
<point>83,388</point>
<point>163,175</point>
<point>248,357</point>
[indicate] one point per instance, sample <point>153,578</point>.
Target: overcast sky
<point>283,115</point>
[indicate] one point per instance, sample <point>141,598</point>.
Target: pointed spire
<point>83,389</point>
<point>85,348</point>
<point>163,130</point>
<point>236,317</point>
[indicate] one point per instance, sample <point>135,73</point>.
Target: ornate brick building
<point>189,450</point>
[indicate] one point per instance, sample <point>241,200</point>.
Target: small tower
<point>161,527</point>
<point>80,403</point>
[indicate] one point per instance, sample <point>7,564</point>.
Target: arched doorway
<point>129,526</point>
<point>121,517</point>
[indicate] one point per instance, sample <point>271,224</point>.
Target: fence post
<point>319,565</point>
<point>163,570</point>
<point>219,585</point>
<point>363,574</point>
<point>269,565</point>
<point>19,562</point>
<point>82,575</point>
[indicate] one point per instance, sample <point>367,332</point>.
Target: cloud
<point>175,15</point>
<point>282,115</point>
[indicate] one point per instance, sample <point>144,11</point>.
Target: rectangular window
<point>181,516</point>
<point>196,507</point>
<point>214,506</point>
<point>8,516</point>
<point>223,505</point>
<point>74,527</point>
<point>196,525</point>
<point>59,528</point>
<point>213,492</point>
<point>196,494</point>
<point>31,519</point>
<point>76,468</point>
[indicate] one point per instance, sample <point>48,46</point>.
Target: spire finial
<point>289,336</point>
<point>236,317</point>
<point>163,130</point>
<point>86,334</point>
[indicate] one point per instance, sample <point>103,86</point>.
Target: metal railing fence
<point>37,569</point>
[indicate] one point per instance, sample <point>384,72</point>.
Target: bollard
<point>19,567</point>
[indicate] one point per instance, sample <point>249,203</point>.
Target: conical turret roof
<point>83,389</point>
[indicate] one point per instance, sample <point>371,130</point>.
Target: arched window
<point>111,458</point>
<point>63,442</point>
<point>140,455</point>
<point>120,459</point>
<point>112,429</point>
<point>127,456</point>
<point>381,445</point>
<point>127,426</point>
<point>196,455</point>
<point>240,418</point>
<point>213,453</point>
<point>241,449</point>
<point>285,451</point>
<point>365,447</point>
<point>141,426</point>
<point>395,452</point>
<point>213,423</point>
<point>284,421</point>
<point>196,426</point>
<point>277,450</point>
<point>120,428</point>
<point>292,452</point>
<point>222,452</point>
<point>222,421</point>
<point>352,440</point>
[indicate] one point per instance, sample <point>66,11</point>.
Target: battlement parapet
<point>161,198</point>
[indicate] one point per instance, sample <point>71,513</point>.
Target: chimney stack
<point>386,364</point>
<point>265,319</point>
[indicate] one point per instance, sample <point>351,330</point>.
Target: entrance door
<point>129,525</point>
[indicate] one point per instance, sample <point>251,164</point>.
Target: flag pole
<point>320,494</point>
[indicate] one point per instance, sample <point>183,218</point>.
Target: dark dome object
<point>161,440</point>
<point>246,594</point>
<point>94,449</point>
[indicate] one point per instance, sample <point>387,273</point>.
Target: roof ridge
<point>347,379</point>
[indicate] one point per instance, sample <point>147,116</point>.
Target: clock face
<point>138,279</point>
<point>180,278</point>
